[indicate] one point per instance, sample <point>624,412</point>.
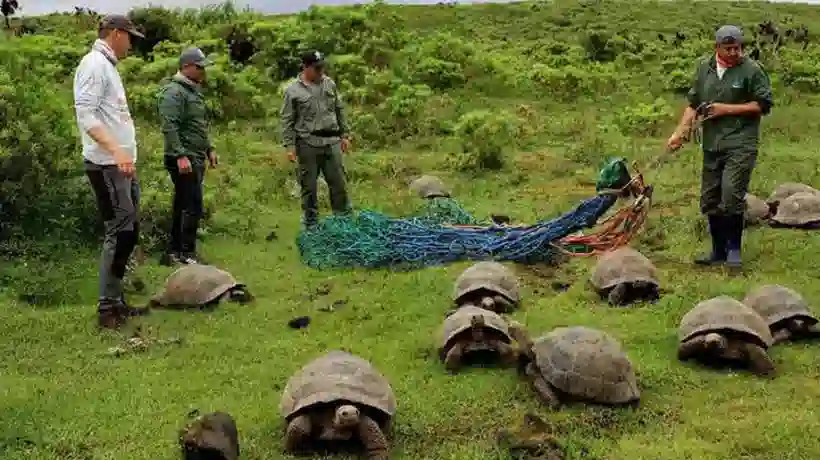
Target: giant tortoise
<point>470,331</point>
<point>577,363</point>
<point>338,397</point>
<point>624,276</point>
<point>210,436</point>
<point>785,311</point>
<point>801,210</point>
<point>429,187</point>
<point>488,284</point>
<point>723,329</point>
<point>756,210</point>
<point>199,285</point>
<point>785,190</point>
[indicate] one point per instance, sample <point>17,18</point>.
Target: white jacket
<point>100,100</point>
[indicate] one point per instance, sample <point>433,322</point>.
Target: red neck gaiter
<point>725,64</point>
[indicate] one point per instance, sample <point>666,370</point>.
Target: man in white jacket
<point>110,154</point>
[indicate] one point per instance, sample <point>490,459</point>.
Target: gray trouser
<point>118,202</point>
<point>725,180</point>
<point>327,160</point>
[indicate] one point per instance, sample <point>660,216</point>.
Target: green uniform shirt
<point>743,83</point>
<point>183,115</point>
<point>312,113</point>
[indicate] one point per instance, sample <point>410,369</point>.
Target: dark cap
<point>728,34</point>
<point>313,58</point>
<point>194,56</point>
<point>121,22</point>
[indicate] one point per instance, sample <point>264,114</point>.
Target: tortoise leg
<point>542,388</point>
<point>374,440</point>
<point>759,361</point>
<point>813,331</point>
<point>618,295</point>
<point>453,359</point>
<point>690,348</point>
<point>298,431</point>
<point>782,335</point>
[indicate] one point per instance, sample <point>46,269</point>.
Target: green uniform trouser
<point>725,180</point>
<point>328,160</point>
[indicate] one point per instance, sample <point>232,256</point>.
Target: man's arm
<point>762,99</point>
<point>340,116</point>
<point>170,114</point>
<point>288,115</point>
<point>88,93</point>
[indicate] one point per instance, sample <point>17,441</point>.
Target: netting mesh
<point>373,240</point>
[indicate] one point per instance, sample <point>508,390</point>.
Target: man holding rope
<point>730,93</point>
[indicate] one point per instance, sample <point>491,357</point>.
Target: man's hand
<point>212,159</point>
<point>124,163</point>
<point>292,156</point>
<point>184,165</point>
<point>345,144</point>
<point>675,141</point>
<point>719,109</point>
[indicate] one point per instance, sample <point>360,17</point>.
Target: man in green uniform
<point>733,93</point>
<point>314,134</point>
<point>187,146</point>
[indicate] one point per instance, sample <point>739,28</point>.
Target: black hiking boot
<point>110,315</point>
<point>734,238</point>
<point>717,230</point>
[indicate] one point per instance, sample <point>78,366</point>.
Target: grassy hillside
<point>549,89</point>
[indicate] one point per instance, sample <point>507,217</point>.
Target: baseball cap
<point>121,22</point>
<point>728,34</point>
<point>313,58</point>
<point>194,56</point>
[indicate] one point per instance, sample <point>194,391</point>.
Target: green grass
<point>61,397</point>
<point>60,392</point>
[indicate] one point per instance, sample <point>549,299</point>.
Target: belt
<point>326,133</point>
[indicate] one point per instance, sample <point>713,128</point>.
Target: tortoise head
<point>798,325</point>
<point>346,417</point>
<point>488,303</point>
<point>715,342</point>
<point>525,352</point>
<point>477,328</point>
<point>240,294</point>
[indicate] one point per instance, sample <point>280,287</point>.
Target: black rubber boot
<point>734,239</point>
<point>717,229</point>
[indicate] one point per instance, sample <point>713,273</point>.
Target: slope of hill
<point>547,91</point>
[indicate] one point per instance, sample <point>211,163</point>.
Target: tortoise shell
<point>622,265</point>
<point>798,209</point>
<point>195,284</point>
<point>487,275</point>
<point>461,321</point>
<point>586,363</point>
<point>337,376</point>
<point>725,314</point>
<point>429,187</point>
<point>785,190</point>
<point>775,303</point>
